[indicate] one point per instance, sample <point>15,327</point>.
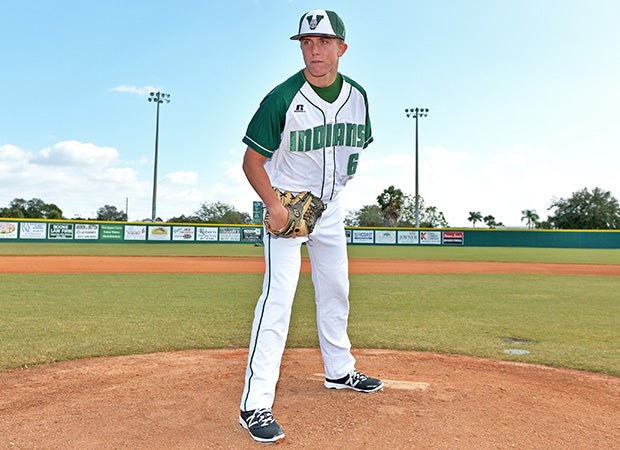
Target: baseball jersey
<point>311,144</point>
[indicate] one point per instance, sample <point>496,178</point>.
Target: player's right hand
<point>278,216</point>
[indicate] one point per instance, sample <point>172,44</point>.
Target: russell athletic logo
<point>313,21</point>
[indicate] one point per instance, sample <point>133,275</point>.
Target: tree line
<point>583,210</point>
<point>597,209</point>
<point>394,208</point>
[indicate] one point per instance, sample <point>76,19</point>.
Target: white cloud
<point>182,178</point>
<point>235,174</point>
<point>458,182</point>
<point>11,153</point>
<point>120,175</point>
<point>12,160</point>
<point>74,153</point>
<point>145,90</point>
<point>81,177</point>
<point>78,177</point>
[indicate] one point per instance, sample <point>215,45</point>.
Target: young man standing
<point>307,135</point>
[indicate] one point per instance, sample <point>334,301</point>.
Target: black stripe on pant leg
<point>259,324</point>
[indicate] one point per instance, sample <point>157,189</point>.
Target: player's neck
<point>322,81</point>
<point>329,93</point>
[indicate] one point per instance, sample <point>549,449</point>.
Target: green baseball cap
<point>320,22</point>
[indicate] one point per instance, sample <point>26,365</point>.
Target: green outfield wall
<point>35,230</point>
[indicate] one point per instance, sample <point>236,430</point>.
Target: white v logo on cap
<point>320,22</point>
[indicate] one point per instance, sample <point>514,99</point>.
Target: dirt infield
<point>189,400</point>
<point>197,264</point>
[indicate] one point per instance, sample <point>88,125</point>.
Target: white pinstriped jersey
<point>311,144</point>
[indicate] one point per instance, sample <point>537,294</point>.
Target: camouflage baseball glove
<point>304,209</point>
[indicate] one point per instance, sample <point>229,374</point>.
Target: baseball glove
<point>303,211</point>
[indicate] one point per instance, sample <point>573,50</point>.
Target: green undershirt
<point>329,93</point>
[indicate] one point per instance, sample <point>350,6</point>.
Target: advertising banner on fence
<point>159,233</point>
<point>363,236</point>
<point>385,237</point>
<point>60,231</point>
<point>408,237</point>
<point>86,231</point>
<point>183,233</point>
<point>32,230</point>
<point>229,234</point>
<point>430,237</point>
<point>453,237</point>
<point>206,234</point>
<point>8,230</point>
<point>111,232</point>
<point>135,233</point>
<point>252,234</point>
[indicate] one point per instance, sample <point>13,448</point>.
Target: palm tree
<point>391,203</point>
<point>474,216</point>
<point>531,216</point>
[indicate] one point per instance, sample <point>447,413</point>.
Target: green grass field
<point>418,252</point>
<point>565,321</point>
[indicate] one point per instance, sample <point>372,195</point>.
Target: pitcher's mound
<point>190,400</point>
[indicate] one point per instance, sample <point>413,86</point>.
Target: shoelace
<point>262,417</point>
<point>355,377</point>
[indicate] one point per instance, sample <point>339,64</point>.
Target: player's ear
<point>342,48</point>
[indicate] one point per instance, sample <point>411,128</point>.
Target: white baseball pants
<point>327,249</point>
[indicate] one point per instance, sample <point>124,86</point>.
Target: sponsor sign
<point>86,231</point>
<point>453,237</point>
<point>230,234</point>
<point>32,230</point>
<point>159,233</point>
<point>408,237</point>
<point>430,237</point>
<point>60,231</point>
<point>183,233</point>
<point>363,236</point>
<point>385,236</point>
<point>135,233</point>
<point>206,234</point>
<point>111,232</point>
<point>252,234</point>
<point>257,212</point>
<point>89,231</point>
<point>8,230</point>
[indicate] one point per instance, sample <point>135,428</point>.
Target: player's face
<point>321,55</point>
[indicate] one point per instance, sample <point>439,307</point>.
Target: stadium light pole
<point>158,98</point>
<point>416,113</point>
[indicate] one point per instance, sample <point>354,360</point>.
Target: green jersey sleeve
<point>264,132</point>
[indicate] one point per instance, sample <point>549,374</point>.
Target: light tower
<point>416,113</point>
<point>158,98</point>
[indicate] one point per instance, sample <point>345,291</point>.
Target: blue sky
<point>523,98</point>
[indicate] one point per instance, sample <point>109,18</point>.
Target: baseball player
<point>307,135</point>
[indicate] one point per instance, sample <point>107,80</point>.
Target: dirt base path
<point>210,264</point>
<point>189,400</point>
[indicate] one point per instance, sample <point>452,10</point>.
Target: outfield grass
<point>417,252</point>
<point>567,321</point>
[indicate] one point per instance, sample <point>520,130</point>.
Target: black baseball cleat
<point>261,425</point>
<point>356,381</point>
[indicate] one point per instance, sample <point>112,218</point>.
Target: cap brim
<point>298,37</point>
